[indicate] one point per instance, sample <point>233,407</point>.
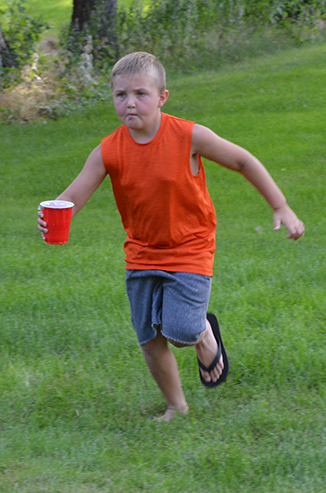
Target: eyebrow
<point>135,89</point>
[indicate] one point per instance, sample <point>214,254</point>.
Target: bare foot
<point>171,411</point>
<point>206,350</point>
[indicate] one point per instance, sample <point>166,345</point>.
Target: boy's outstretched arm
<point>209,145</point>
<point>81,189</point>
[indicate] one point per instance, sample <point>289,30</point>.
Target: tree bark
<point>81,14</point>
<point>98,18</point>
<point>7,57</point>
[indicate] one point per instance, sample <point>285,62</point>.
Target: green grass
<point>75,391</point>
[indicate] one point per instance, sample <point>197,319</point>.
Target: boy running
<point>154,163</point>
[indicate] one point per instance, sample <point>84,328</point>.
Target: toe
<point>217,371</point>
<point>206,376</point>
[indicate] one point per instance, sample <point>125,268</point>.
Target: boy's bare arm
<point>209,145</point>
<point>88,180</point>
<point>84,185</point>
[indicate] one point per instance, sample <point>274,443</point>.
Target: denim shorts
<point>173,302</point>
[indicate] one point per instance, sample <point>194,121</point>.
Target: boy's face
<point>137,102</point>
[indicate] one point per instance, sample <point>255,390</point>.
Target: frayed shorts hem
<point>190,344</point>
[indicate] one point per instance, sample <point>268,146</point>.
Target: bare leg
<point>163,367</point>
<point>206,349</point>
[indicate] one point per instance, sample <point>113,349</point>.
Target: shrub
<point>183,33</point>
<point>52,86</point>
<point>22,32</point>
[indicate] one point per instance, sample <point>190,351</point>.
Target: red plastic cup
<point>57,215</point>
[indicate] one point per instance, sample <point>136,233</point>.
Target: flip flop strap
<point>214,362</point>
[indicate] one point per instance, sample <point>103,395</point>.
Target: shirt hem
<point>170,268</point>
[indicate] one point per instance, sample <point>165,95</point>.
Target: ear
<point>163,98</point>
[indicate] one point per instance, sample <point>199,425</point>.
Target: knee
<point>183,335</point>
<point>154,345</point>
<point>196,340</point>
<point>178,344</point>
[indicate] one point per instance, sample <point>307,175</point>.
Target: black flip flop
<point>217,334</point>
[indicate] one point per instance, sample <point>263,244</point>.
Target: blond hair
<point>141,63</point>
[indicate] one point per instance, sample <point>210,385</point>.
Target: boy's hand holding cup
<point>54,221</point>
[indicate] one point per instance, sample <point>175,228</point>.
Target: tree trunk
<point>81,14</point>
<point>98,19</point>
<point>7,57</point>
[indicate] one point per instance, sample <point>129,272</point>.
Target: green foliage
<point>277,12</point>
<point>186,33</point>
<point>176,29</point>
<point>22,31</point>
<point>181,32</point>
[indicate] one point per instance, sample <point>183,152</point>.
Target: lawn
<point>76,395</point>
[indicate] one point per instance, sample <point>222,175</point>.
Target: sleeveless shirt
<point>165,209</point>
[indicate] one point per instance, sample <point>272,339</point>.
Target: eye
<point>141,93</point>
<point>120,95</point>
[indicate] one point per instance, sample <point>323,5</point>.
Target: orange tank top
<point>165,209</point>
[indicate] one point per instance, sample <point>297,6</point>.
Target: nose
<point>131,102</point>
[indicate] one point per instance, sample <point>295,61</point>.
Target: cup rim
<point>56,204</point>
